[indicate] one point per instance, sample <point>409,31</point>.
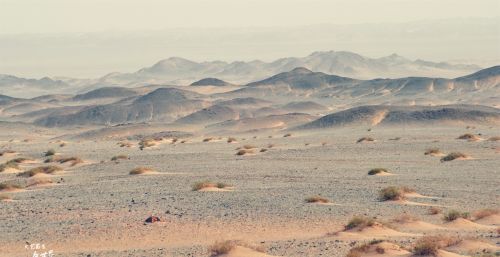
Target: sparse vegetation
<point>140,170</point>
<point>454,214</point>
<point>433,151</point>
<point>453,156</point>
<point>434,210</point>
<point>317,199</point>
<point>224,247</point>
<point>364,248</point>
<point>249,147</point>
<point>245,151</point>
<point>469,137</point>
<point>360,223</point>
<point>231,139</point>
<point>145,143</point>
<point>125,144</point>
<point>287,135</point>
<point>62,144</point>
<point>50,152</point>
<point>207,184</point>
<point>377,171</point>
<point>405,218</point>
<point>119,157</point>
<point>73,160</point>
<point>365,139</point>
<point>40,170</point>
<point>485,213</point>
<point>391,193</point>
<point>208,139</point>
<point>263,150</point>
<point>12,164</point>
<point>427,245</point>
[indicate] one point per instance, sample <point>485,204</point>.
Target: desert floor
<point>97,209</point>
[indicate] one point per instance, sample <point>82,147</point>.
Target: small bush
<point>392,193</point>
<point>140,170</point>
<point>119,157</point>
<point>405,218</point>
<point>40,170</point>
<point>287,135</point>
<point>469,137</point>
<point>206,184</point>
<point>208,139</point>
<point>73,160</point>
<point>317,199</point>
<point>50,152</point>
<point>125,144</point>
<point>360,223</point>
<point>376,171</point>
<point>427,245</point>
<point>145,143</point>
<point>219,248</point>
<point>231,139</point>
<point>12,164</point>
<point>263,150</point>
<point>453,156</point>
<point>245,151</point>
<point>454,214</point>
<point>365,139</point>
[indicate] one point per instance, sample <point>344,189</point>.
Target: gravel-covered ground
<point>98,209</point>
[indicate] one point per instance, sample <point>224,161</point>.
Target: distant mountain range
<point>179,71</point>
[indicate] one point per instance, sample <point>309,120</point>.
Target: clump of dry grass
<point>120,157</point>
<point>40,170</point>
<point>12,164</point>
<point>377,171</point>
<point>184,141</point>
<point>7,186</point>
<point>485,213</point>
<point>62,144</point>
<point>469,137</point>
<point>287,135</point>
<point>262,150</point>
<point>360,223</point>
<point>72,160</point>
<point>317,199</point>
<point>231,140</point>
<point>358,251</point>
<point>494,138</point>
<point>224,247</point>
<point>208,139</point>
<point>145,143</point>
<point>430,245</point>
<point>50,152</point>
<point>453,156</point>
<point>140,170</point>
<point>174,140</point>
<point>434,210</point>
<point>454,214</point>
<point>393,193</point>
<point>365,139</point>
<point>433,151</point>
<point>206,184</point>
<point>125,144</point>
<point>245,151</point>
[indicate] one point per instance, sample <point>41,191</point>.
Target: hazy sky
<point>40,16</point>
<point>93,37</point>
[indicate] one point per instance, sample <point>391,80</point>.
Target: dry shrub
<point>174,140</point>
<point>365,139</point>
<point>324,143</point>
<point>453,156</point>
<point>231,139</point>
<point>393,193</point>
<point>377,171</point>
<point>485,213</point>
<point>72,160</point>
<point>183,141</point>
<point>287,135</point>
<point>208,139</point>
<point>245,151</point>
<point>224,247</point>
<point>454,214</point>
<point>434,210</point>
<point>317,199</point>
<point>429,245</point>
<point>360,223</point>
<point>249,147</point>
<point>263,150</point>
<point>140,170</point>
<point>40,170</point>
<point>364,248</point>
<point>50,152</point>
<point>12,164</point>
<point>120,157</point>
<point>125,144</point>
<point>469,137</point>
<point>62,145</point>
<point>206,184</point>
<point>433,151</point>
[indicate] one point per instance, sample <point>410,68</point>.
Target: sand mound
<point>417,225</point>
<point>462,223</point>
<point>489,220</point>
<point>240,251</point>
<point>383,173</point>
<point>406,202</point>
<point>375,231</point>
<point>383,249</point>
<point>443,253</point>
<point>471,246</point>
<point>215,189</point>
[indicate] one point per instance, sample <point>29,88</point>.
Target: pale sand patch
<point>390,250</point>
<point>443,253</point>
<point>471,245</point>
<point>406,202</point>
<point>384,173</point>
<point>417,195</point>
<point>216,189</point>
<point>240,251</point>
<point>461,223</point>
<point>417,225</point>
<point>11,171</point>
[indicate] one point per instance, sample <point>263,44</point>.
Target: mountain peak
<point>301,70</point>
